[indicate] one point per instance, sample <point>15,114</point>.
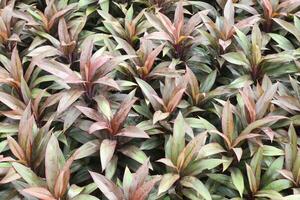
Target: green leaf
<point>83,3</point>
<point>87,149</point>
<point>209,81</point>
<point>292,197</point>
<point>272,171</point>
<point>238,180</point>
<point>270,194</point>
<point>134,153</point>
<point>240,82</point>
<point>282,42</point>
<point>196,184</point>
<point>104,106</point>
<point>178,137</point>
<point>199,166</point>
<point>251,179</point>
<point>272,151</point>
<point>260,123</point>
<point>107,150</point>
<point>28,175</point>
<point>104,4</point>
<point>84,197</point>
<point>210,149</point>
<point>167,182</point>
<point>237,58</point>
<point>279,185</point>
<point>289,27</point>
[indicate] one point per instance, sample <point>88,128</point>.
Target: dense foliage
<point>149,99</point>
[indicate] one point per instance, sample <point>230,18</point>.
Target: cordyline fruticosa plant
<point>158,100</point>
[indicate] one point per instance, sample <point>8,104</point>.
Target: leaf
<point>90,113</point>
<point>287,174</point>
<point>98,126</point>
<point>108,82</point>
<point>272,173</point>
<point>59,70</point>
<point>282,42</point>
<point>107,187</point>
<point>237,58</point>
<point>39,192</point>
<point>267,8</point>
<point>209,149</point>
<point>84,197</point>
<point>16,65</point>
<point>104,106</point>
<point>167,162</point>
<point>87,149</point>
<point>175,99</point>
<point>16,149</point>
<point>251,179</point>
<point>138,179</point>
<point>45,51</point>
<point>227,121</point>
<point>247,22</point>
<point>12,102</point>
<point>249,103</point>
<point>151,57</point>
<point>134,153</point>
<point>199,166</point>
<point>229,13</point>
<point>263,102</point>
<point>278,185</point>
<point>269,150</point>
<point>143,191</point>
<point>261,122</point>
<point>189,153</point>
<point>270,194</point>
<point>238,153</point>
<point>209,81</point>
<point>292,197</point>
<point>166,182</point>
<point>158,116</point>
<point>289,27</point>
<point>238,180</point>
<point>28,175</point>
<point>68,98</point>
<point>60,13</point>
<point>149,93</point>
<point>11,175</point>
<point>197,185</point>
<point>178,137</point>
<point>133,132</point>
<point>122,113</point>
<point>54,162</point>
<point>107,149</point>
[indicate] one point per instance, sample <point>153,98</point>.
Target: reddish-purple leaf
<point>39,192</point>
<point>98,126</point>
<point>107,187</point>
<point>133,132</point>
<point>122,113</point>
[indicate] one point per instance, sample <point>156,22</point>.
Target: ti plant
<point>179,34</point>
<point>134,186</point>
<point>129,28</point>
<point>185,162</point>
